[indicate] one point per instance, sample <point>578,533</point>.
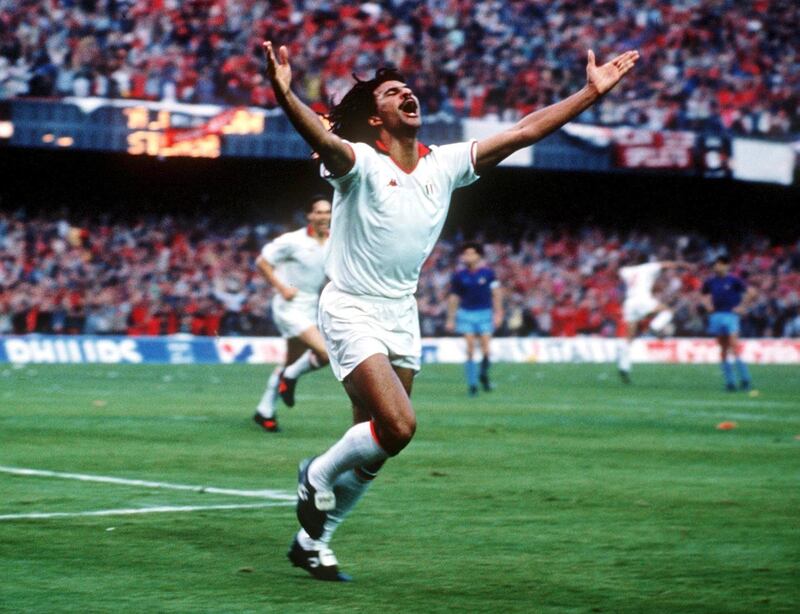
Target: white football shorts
<point>638,309</point>
<point>296,316</point>
<point>357,327</point>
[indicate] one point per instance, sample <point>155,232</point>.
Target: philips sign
<point>67,350</point>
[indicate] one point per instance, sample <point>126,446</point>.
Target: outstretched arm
<point>268,272</point>
<point>337,156</point>
<point>537,125</point>
<point>675,264</point>
<point>498,314</point>
<point>452,306</point>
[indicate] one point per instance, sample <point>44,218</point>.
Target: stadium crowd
<point>164,275</point>
<point>714,65</point>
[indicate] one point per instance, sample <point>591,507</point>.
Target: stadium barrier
<point>167,129</point>
<point>185,349</point>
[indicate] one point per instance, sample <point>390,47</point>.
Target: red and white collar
<point>422,149</point>
<point>310,232</point>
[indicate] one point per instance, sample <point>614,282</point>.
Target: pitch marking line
<point>145,510</point>
<point>275,495</point>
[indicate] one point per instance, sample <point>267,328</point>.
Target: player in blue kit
<point>725,293</point>
<point>475,309</point>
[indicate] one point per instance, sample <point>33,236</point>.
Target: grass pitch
<point>562,491</point>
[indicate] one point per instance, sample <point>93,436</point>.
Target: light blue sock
<point>471,373</point>
<point>744,373</point>
<point>727,373</point>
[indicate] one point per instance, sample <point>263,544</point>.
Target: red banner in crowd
<point>215,125</point>
<point>657,150</point>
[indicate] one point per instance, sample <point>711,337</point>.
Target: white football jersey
<point>385,221</point>
<point>298,259</point>
<point>639,280</point>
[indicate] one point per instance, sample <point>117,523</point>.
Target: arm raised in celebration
<point>537,125</point>
<point>337,155</point>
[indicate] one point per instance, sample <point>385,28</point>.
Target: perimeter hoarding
<point>184,349</point>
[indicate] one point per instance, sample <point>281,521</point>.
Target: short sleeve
<point>495,283</point>
<point>277,251</point>
<point>706,287</point>
<point>455,284</point>
<point>362,152</point>
<point>740,285</point>
<point>458,161</point>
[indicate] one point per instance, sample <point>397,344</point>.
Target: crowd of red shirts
<point>163,275</point>
<point>707,64</point>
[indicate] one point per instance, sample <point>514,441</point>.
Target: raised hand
<point>604,78</point>
<point>278,69</point>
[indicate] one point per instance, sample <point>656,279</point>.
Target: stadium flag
<point>657,150</point>
<point>755,160</point>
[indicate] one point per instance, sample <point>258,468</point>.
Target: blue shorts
<point>474,322</point>
<point>722,323</point>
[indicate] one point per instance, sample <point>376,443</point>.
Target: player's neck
<point>403,149</point>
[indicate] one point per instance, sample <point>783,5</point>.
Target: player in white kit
<point>640,304</point>
<point>391,197</point>
<point>293,264</point>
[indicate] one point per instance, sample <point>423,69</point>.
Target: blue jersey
<point>473,288</point>
<point>726,292</point>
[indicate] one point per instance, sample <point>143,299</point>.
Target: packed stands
<point>165,275</point>
<point>715,66</point>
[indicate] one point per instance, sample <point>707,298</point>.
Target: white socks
<point>307,362</point>
<point>356,448</point>
<point>348,488</point>
<point>624,356</point>
<point>266,406</point>
<point>661,320</point>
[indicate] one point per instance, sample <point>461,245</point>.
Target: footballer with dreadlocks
<point>391,196</point>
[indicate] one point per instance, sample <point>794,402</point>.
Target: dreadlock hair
<point>348,119</point>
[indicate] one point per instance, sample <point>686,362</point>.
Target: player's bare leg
<point>266,411</point>
<point>729,346</point>
<point>383,392</point>
<point>624,353</point>
<point>375,387</point>
<point>741,366</point>
<point>662,316</point>
<point>727,371</point>
<point>316,555</point>
<point>306,353</point>
<point>469,365</point>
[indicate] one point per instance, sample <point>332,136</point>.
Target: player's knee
<point>399,434</point>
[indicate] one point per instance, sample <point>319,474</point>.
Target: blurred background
<point>145,164</point>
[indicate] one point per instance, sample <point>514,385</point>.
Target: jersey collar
<point>310,232</point>
<point>422,149</point>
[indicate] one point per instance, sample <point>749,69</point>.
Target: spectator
<point>709,65</point>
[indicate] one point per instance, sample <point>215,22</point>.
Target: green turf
<point>562,491</point>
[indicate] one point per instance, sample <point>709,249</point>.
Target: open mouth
<point>409,107</point>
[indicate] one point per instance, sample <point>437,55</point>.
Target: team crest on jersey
<point>393,183</point>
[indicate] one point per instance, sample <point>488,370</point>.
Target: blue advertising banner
<point>108,350</point>
<point>185,349</point>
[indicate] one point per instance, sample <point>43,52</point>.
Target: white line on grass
<point>144,510</point>
<point>277,495</point>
